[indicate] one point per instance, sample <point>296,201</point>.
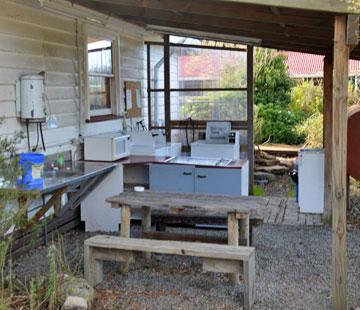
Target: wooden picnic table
<point>238,210</point>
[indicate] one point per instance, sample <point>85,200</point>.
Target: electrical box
<point>30,99</point>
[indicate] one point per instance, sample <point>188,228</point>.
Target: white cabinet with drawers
<point>195,179</point>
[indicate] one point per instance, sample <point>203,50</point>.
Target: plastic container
<point>32,166</point>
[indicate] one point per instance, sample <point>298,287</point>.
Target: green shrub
<point>278,125</point>
<point>312,129</point>
<point>307,97</point>
<point>272,82</point>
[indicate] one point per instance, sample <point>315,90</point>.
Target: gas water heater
<point>30,103</point>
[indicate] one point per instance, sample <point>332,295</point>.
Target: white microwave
<point>106,147</point>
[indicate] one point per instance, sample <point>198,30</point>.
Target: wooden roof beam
<point>230,10</point>
<point>330,6</point>
<point>229,23</point>
<point>275,37</point>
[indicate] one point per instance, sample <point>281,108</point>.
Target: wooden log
<point>327,133</point>
<point>249,278</point>
<point>40,213</point>
<point>250,115</point>
<point>233,239</point>
<point>220,265</point>
<point>57,205</point>
<point>125,230</point>
<point>93,268</point>
<point>339,149</point>
<point>157,235</point>
<point>218,251</point>
<point>244,233</point>
<point>146,225</point>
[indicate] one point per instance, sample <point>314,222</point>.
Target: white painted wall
<point>49,37</point>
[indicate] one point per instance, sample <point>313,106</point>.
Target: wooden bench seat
<point>216,258</point>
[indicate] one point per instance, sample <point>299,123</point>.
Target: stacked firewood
<point>267,166</point>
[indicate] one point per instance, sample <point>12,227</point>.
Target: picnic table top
<point>210,205</point>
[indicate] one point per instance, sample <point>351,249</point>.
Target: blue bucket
<point>32,166</point>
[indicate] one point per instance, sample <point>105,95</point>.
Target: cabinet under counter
<point>229,180</point>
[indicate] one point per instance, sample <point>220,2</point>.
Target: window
<point>101,78</point>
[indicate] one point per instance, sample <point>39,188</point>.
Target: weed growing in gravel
<point>13,210</point>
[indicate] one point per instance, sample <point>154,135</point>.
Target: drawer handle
<point>201,176</point>
<point>187,173</point>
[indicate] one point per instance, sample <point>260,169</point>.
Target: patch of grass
<point>292,192</point>
<point>259,191</point>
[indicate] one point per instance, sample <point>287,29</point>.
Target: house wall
<point>49,36</point>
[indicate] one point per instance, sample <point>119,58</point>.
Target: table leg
<point>146,225</point>
<point>125,230</point>
<point>244,223</point>
<point>233,239</point>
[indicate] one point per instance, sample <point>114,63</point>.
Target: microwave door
<point>119,147</point>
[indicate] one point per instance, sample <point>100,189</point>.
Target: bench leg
<point>244,232</point>
<point>146,225</point>
<point>93,268</point>
<point>249,277</point>
<point>233,239</point>
<point>125,231</point>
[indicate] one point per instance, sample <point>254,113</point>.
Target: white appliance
<point>311,180</point>
<point>220,142</point>
<point>30,97</point>
<point>143,143</point>
<point>106,147</point>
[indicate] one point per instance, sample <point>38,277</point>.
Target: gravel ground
<point>283,186</point>
<point>292,269</point>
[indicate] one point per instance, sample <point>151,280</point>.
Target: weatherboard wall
<point>36,38</point>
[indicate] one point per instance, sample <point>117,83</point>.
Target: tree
<point>272,83</point>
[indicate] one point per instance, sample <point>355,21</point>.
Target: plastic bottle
<point>61,159</point>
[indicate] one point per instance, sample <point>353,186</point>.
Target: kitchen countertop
<point>142,160</point>
<point>73,173</point>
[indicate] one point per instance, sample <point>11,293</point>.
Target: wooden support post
<point>327,134</point>
<point>146,225</point>
<point>148,67</point>
<point>125,230</point>
<point>233,239</point>
<point>339,149</point>
<point>167,95</point>
<point>57,205</point>
<point>250,115</point>
<point>244,223</point>
<point>93,268</point>
<point>249,278</point>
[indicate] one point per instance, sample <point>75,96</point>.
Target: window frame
<point>115,78</point>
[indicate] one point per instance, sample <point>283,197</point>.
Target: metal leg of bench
<point>146,225</point>
<point>233,239</point>
<point>125,231</point>
<point>93,268</point>
<point>249,277</point>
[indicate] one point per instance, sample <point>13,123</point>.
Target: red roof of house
<point>300,65</point>
<point>308,65</point>
<point>203,67</point>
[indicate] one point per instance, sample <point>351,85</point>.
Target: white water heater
<point>31,98</point>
